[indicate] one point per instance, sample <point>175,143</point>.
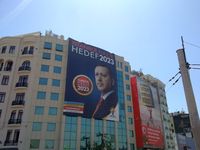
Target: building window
<point>46,55</point>
<point>31,49</point>
<point>126,69</point>
<point>8,136</point>
<point>2,97</point>
<point>0,113</point>
<point>8,66</point>
<point>128,97</point>
<point>19,117</point>
<point>25,66</point>
<point>41,95</point>
<point>12,49</point>
<point>55,82</point>
<point>59,47</point>
<point>16,136</point>
<point>129,109</point>
<point>1,64</point>
<point>13,114</point>
<point>85,130</point>
<point>35,143</point>
<point>43,81</point>
<point>131,134</point>
<point>3,49</point>
<point>132,146</point>
<point>28,51</point>
<point>47,45</point>
<point>57,69</point>
<point>23,81</point>
<point>127,87</point>
<point>127,77</point>
<point>51,126</point>
<point>54,96</point>
<point>26,63</point>
<point>52,111</point>
<point>58,57</point>
<point>70,131</point>
<point>19,96</point>
<point>12,117</point>
<point>19,99</point>
<point>5,80</point>
<point>39,110</point>
<point>36,126</point>
<point>25,50</point>
<point>44,68</point>
<point>49,144</point>
<point>130,120</point>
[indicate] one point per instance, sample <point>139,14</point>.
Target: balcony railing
<point>7,68</point>
<point>18,102</point>
<point>15,121</point>
<point>26,68</point>
<point>10,143</point>
<point>27,52</point>
<point>21,84</point>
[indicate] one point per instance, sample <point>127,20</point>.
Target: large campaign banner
<point>91,85</point>
<point>148,123</point>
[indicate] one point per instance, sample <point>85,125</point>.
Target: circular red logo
<point>82,85</point>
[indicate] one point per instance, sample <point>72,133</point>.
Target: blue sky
<point>146,33</point>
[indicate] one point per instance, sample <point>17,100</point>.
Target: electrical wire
<point>192,44</point>
<point>195,64</point>
<point>177,80</point>
<point>194,68</point>
<point>173,79</point>
<point>174,76</point>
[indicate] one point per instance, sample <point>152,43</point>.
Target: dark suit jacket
<point>106,106</point>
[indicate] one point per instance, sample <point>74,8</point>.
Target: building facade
<point>152,97</point>
<point>33,73</point>
<point>168,125</point>
<point>183,130</point>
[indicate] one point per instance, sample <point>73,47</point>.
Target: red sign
<point>148,125</point>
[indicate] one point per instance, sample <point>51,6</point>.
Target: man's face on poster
<point>103,79</point>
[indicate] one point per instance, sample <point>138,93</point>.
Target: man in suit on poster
<point>106,106</point>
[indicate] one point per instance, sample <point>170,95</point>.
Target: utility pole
<point>192,108</point>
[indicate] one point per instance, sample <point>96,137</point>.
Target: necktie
<point>98,105</point>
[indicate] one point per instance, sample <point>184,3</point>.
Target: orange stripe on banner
<point>73,108</point>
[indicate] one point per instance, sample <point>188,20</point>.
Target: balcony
<point>24,68</point>
<point>7,68</point>
<point>15,121</point>
<point>25,52</point>
<point>21,84</point>
<point>10,143</point>
<point>18,102</point>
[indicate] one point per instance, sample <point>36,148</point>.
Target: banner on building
<point>91,85</point>
<point>147,116</point>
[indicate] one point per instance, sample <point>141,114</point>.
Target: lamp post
<point>103,143</point>
<point>87,145</point>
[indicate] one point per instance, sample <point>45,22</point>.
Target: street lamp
<point>103,140</point>
<point>87,145</point>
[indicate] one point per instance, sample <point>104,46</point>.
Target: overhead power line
<point>194,68</point>
<point>195,45</point>
<point>174,76</point>
<point>174,81</point>
<point>177,80</point>
<point>195,64</point>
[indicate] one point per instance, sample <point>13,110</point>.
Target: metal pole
<point>192,108</point>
